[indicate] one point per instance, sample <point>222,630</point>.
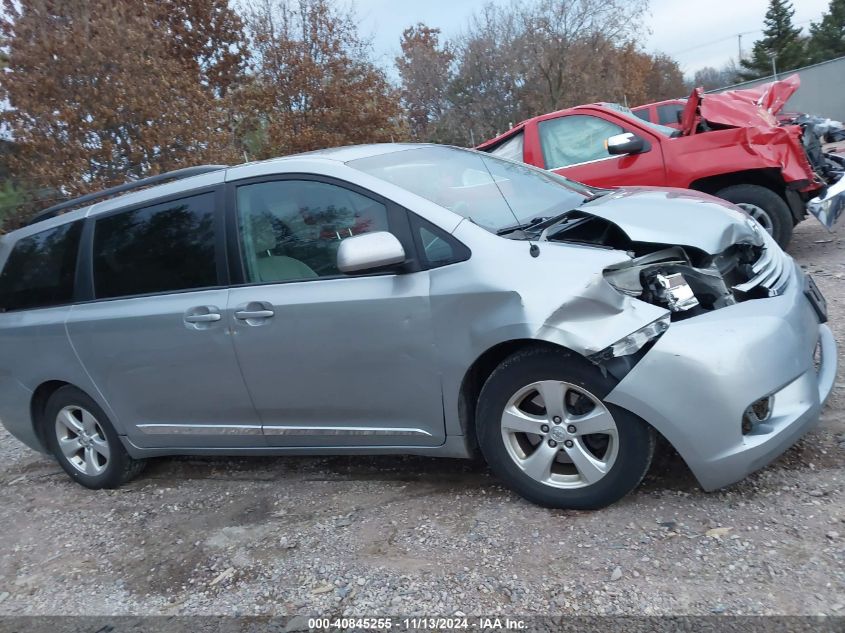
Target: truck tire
<point>765,206</point>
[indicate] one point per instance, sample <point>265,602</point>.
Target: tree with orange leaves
<point>311,83</point>
<point>97,95</point>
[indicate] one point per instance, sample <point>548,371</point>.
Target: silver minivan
<point>409,299</point>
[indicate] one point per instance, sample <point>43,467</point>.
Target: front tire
<point>84,442</point>
<point>547,433</point>
<point>765,206</point>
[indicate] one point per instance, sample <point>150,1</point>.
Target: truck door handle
<point>253,314</point>
<point>202,318</point>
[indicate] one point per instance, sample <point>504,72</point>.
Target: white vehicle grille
<point>771,271</point>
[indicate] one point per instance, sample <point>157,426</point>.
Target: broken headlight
<point>635,341</point>
<point>673,291</point>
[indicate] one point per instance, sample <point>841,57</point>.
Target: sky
<point>697,34</point>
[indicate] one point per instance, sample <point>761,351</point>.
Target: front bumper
<point>829,207</point>
<point>695,384</point>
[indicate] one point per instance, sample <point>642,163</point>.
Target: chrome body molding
<point>340,430</point>
<point>250,429</point>
<point>199,429</point>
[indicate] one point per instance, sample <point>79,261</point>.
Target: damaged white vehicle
<point>410,299</point>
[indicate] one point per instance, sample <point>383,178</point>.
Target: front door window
<point>291,229</point>
<point>570,140</point>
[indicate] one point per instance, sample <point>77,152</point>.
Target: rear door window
<point>644,114</point>
<point>669,114</point>
<point>41,269</point>
<point>168,247</point>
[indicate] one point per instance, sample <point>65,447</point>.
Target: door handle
<point>202,318</point>
<point>253,314</point>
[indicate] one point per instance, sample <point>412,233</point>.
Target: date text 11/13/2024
<point>418,623</point>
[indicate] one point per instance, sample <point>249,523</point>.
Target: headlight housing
<point>635,341</point>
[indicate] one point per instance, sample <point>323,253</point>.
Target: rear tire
<point>586,457</point>
<point>84,442</point>
<point>765,206</point>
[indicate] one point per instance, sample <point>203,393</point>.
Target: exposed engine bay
<point>828,167</point>
<point>682,279</point>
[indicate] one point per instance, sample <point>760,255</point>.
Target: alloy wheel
<point>560,434</point>
<point>82,440</point>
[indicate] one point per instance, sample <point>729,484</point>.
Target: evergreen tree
<point>780,40</point>
<point>827,37</point>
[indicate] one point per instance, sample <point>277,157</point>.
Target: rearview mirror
<point>627,143</point>
<point>368,252</point>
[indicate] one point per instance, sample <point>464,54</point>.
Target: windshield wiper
<point>535,225</point>
<point>511,229</point>
<point>544,223</point>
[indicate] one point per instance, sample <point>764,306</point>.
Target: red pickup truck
<point>729,145</point>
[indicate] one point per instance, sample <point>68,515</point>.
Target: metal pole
<point>774,68</point>
<point>739,38</point>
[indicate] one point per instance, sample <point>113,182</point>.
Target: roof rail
<point>177,174</point>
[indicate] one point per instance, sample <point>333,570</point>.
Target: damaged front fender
<point>596,318</point>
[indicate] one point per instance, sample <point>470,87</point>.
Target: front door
<point>574,146</point>
<point>330,360</point>
<point>155,340</point>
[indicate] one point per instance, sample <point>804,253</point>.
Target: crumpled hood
<point>751,112</point>
<point>748,107</point>
<point>676,216</point>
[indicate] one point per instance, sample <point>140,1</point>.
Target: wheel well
<point>768,178</point>
<point>480,371</point>
<point>38,406</point>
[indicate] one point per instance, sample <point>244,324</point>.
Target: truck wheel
<point>765,206</point>
<point>547,433</point>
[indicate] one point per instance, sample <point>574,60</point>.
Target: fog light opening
<point>817,357</point>
<point>759,411</point>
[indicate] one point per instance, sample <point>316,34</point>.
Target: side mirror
<point>627,143</point>
<point>369,251</point>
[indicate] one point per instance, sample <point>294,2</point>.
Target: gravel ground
<point>386,535</point>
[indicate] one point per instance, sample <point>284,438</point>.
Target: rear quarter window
<point>40,270</point>
<point>512,148</point>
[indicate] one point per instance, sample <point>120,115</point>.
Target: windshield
<point>665,130</point>
<point>492,192</point>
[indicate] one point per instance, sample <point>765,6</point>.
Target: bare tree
<point>568,44</point>
<point>665,79</point>
<point>515,61</point>
<point>711,78</point>
<point>486,92</point>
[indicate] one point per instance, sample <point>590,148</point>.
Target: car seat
<point>268,267</point>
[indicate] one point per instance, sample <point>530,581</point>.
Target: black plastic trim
<point>177,174</point>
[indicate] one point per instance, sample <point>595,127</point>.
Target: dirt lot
<point>410,535</point>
